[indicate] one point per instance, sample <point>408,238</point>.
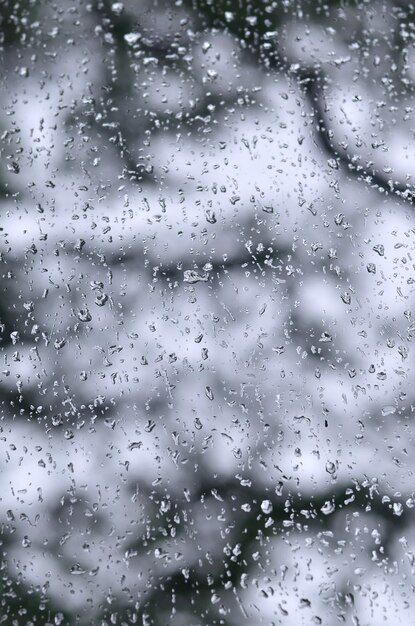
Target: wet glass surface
<point>207,271</point>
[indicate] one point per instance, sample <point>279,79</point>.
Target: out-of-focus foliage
<point>207,251</point>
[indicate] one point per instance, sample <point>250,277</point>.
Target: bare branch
<point>313,83</point>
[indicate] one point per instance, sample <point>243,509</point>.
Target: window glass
<point>206,313</point>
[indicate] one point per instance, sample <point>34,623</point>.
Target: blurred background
<point>206,313</point>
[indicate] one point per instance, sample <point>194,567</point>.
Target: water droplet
<point>29,306</point>
<point>380,249</point>
<point>349,599</point>
<point>330,467</point>
<point>266,506</point>
<point>132,38</point>
<point>326,337</point>
<point>397,508</point>
<point>328,508</point>
<point>403,351</point>
<point>79,245</point>
<point>101,299</point>
<point>135,445</point>
<point>192,277</point>
<point>77,570</point>
<point>165,506</point>
<point>210,216</point>
<point>84,315</point>
<point>117,8</point>
<point>279,488</point>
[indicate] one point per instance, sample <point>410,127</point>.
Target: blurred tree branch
<point>315,85</point>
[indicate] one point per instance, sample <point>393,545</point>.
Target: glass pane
<point>207,255</point>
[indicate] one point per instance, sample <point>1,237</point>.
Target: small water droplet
<point>117,8</point>
<point>132,38</point>
<point>237,453</point>
<point>330,467</point>
<point>210,216</point>
<point>279,488</point>
<point>29,306</point>
<point>165,506</point>
<point>79,245</point>
<point>328,508</point>
<point>266,506</point>
<point>135,445</point>
<point>84,315</point>
<point>380,249</point>
<point>397,508</point>
<point>101,299</point>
